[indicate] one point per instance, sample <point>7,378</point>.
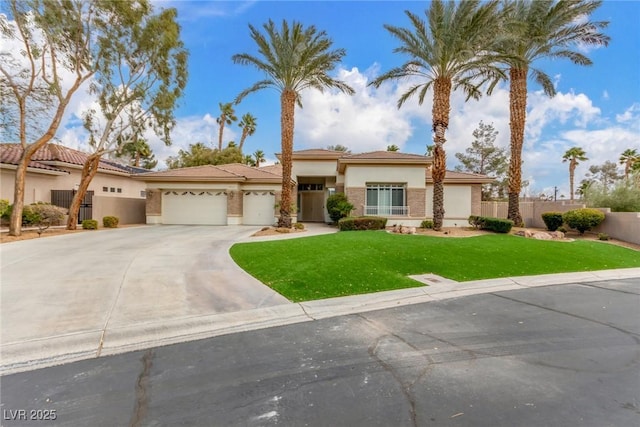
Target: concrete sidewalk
<point>38,353</point>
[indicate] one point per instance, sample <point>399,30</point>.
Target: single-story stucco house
<point>53,176</point>
<point>381,183</point>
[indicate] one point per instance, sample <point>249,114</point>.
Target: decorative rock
<point>542,236</point>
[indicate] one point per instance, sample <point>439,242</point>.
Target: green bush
<point>497,225</point>
<point>362,223</point>
<point>338,206</point>
<point>583,219</point>
<point>298,226</point>
<point>562,229</point>
<point>603,236</point>
<point>89,224</point>
<point>427,223</point>
<point>110,222</point>
<point>552,220</point>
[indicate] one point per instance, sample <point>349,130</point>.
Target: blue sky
<point>597,107</point>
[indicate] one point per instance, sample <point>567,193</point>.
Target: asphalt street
<point>562,355</point>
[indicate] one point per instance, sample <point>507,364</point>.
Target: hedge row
<point>362,223</point>
<point>497,225</point>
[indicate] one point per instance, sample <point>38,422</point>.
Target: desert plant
<point>475,221</point>
<point>562,229</point>
<point>89,224</point>
<point>427,223</point>
<point>362,223</point>
<point>298,226</point>
<point>338,206</point>
<point>43,215</point>
<point>624,197</point>
<point>583,219</point>
<point>552,220</point>
<point>603,236</point>
<point>110,222</point>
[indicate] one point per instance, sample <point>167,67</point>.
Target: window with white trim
<point>386,200</point>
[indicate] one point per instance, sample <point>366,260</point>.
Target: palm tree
<point>293,58</point>
<point>573,155</point>
<point>227,116</point>
<point>540,29</point>
<point>248,125</point>
<point>447,52</point>
<point>259,155</point>
<point>629,158</point>
<point>338,147</point>
<point>248,160</point>
<point>393,147</point>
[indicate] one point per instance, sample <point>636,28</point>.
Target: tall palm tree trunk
<point>242,138</point>
<point>440,112</point>
<point>287,105</point>
<point>220,131</point>
<point>89,170</point>
<point>572,170</point>
<point>518,111</point>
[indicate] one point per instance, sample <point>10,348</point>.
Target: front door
<point>312,208</point>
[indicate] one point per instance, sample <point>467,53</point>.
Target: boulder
<point>541,235</point>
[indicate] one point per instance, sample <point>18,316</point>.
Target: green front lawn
<point>359,262</point>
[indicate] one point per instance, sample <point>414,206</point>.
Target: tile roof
<point>275,169</point>
<point>466,177</point>
<point>386,155</point>
<point>228,172</point>
<point>51,155</point>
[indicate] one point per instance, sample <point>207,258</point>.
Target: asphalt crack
<point>142,390</point>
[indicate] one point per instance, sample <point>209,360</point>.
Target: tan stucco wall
<point>313,168</point>
<point>154,201</point>
<point>476,199</point>
<point>360,176</point>
<point>416,200</point>
<point>457,203</point>
<point>128,210</point>
<point>38,186</point>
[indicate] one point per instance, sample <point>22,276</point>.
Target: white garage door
<point>194,207</point>
<point>258,207</point>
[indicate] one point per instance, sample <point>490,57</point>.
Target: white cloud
<point>631,115</point>
<point>366,121</point>
<point>605,95</point>
<point>543,110</point>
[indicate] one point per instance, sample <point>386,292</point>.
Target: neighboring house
<point>53,176</point>
<point>383,183</point>
<point>230,194</point>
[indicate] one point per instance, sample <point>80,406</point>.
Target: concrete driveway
<point>72,291</point>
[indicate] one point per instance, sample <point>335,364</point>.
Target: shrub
<point>497,225</point>
<point>338,206</point>
<point>603,236</point>
<point>427,223</point>
<point>552,220</point>
<point>110,222</point>
<point>583,219</point>
<point>5,207</point>
<point>476,221</point>
<point>362,223</point>
<point>298,226</point>
<point>43,215</point>
<point>562,229</point>
<point>89,224</point>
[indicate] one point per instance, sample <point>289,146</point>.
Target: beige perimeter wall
<point>128,210</point>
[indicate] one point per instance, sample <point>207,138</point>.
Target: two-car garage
<point>232,194</point>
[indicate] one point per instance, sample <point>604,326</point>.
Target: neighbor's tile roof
<point>228,172</point>
<point>385,155</point>
<point>275,169</point>
<point>50,155</point>
<point>462,177</point>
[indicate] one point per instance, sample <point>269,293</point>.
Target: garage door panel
<point>194,207</point>
<point>258,207</point>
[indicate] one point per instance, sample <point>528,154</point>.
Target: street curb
<point>51,351</point>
